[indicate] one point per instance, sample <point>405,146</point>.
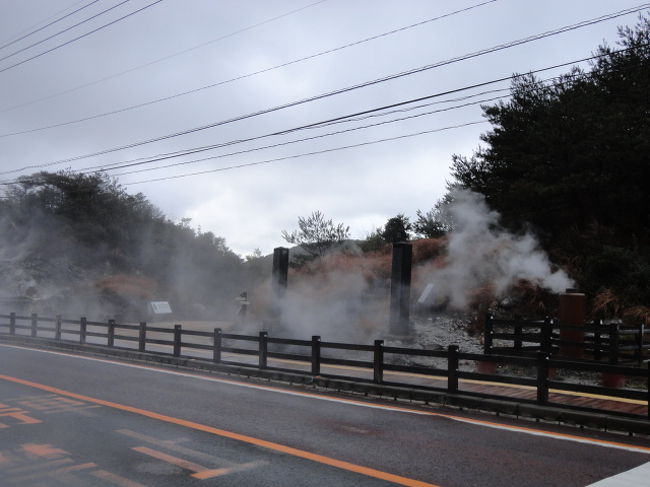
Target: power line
<point>164,58</point>
<point>281,144</point>
<point>306,154</point>
<point>80,37</point>
<point>355,114</point>
<point>247,75</point>
<point>21,37</point>
<point>56,34</point>
<point>366,84</point>
<point>127,164</point>
<point>571,78</point>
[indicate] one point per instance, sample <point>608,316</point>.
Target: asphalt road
<point>68,420</point>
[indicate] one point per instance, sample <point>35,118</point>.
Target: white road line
<point>352,402</point>
<point>637,477</point>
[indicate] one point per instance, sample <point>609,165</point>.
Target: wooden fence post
<point>542,378</point>
<point>177,340</point>
<point>518,338</point>
<point>264,349</point>
<point>378,362</point>
<point>216,346</point>
<point>647,388</point>
<point>452,368</point>
<point>12,323</point>
<point>639,344</point>
<point>613,343</point>
<point>34,324</point>
<point>83,326</point>
<point>58,324</point>
<point>488,331</point>
<point>142,338</point>
<point>315,355</point>
<point>598,341</point>
<point>110,339</point>
<point>547,336</point>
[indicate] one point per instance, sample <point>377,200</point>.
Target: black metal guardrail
<point>611,342</point>
<point>377,357</point>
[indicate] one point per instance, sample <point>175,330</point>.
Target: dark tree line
<point>63,230</point>
<point>571,160</point>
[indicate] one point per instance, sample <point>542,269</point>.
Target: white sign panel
<point>160,307</point>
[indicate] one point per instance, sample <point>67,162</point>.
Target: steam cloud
<point>480,253</point>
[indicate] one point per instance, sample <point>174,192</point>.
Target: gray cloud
<point>249,207</point>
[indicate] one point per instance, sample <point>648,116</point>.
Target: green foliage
<point>397,229</point>
<point>374,242</point>
<point>571,160</point>
<point>316,235</point>
<point>436,222</point>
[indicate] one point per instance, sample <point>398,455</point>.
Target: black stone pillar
<point>280,272</point>
<point>278,287</point>
<point>400,288</point>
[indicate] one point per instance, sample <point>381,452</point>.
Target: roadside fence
<point>450,370</point>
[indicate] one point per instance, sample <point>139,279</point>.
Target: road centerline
<point>314,457</point>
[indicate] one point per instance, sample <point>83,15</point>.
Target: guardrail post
<point>177,340</point>
<point>110,340</point>
<point>488,331</point>
<point>12,324</point>
<point>216,346</point>
<point>613,343</point>
<point>378,362</point>
<point>83,326</point>
<point>542,378</point>
<point>57,327</point>
<point>34,324</point>
<point>547,336</point>
<point>315,355</point>
<point>264,349</point>
<point>598,340</point>
<point>639,344</point>
<point>142,338</point>
<point>452,368</point>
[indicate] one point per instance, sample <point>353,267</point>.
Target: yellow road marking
<point>370,472</point>
<point>172,446</point>
<point>115,479</point>
<point>217,472</point>
<point>53,473</point>
<point>179,462</point>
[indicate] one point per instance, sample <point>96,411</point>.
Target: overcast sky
<point>175,46</point>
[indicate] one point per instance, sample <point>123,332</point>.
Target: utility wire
<point>281,144</point>
<point>164,58</point>
<point>80,37</point>
<point>24,36</point>
<point>244,76</point>
<point>127,164</point>
<point>354,87</point>
<point>356,114</point>
<point>563,80</point>
<point>567,79</point>
<point>306,154</point>
<point>56,34</point>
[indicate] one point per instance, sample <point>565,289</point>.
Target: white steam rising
<point>480,253</point>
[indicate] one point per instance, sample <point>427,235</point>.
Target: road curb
<point>499,406</point>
